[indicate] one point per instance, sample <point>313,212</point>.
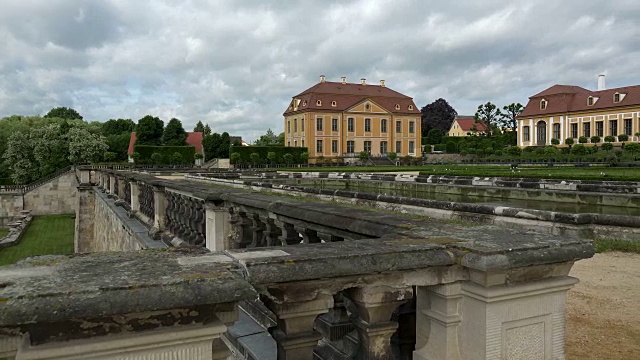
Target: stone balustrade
<point>348,283</point>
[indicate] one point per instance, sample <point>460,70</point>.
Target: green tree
<point>288,159</point>
<point>135,156</point>
<point>63,113</point>
<point>607,146</point>
<point>199,127</point>
<point>119,144</point>
<point>267,139</point>
<point>569,141</point>
<point>583,140</point>
<point>633,148</point>
<point>174,134</point>
<point>363,156</point>
<point>235,157</point>
<point>579,150</point>
<point>392,156</point>
<point>437,115</point>
<point>509,118</point>
<point>156,158</point>
<point>622,138</point>
<point>555,141</point>
<point>610,139</point>
<point>118,126</point>
<point>434,136</point>
<point>595,139</point>
<point>271,156</point>
<point>207,130</point>
<point>304,157</point>
<point>255,158</point>
<point>85,147</point>
<point>225,143</point>
<point>177,158</point>
<point>109,156</point>
<point>211,144</point>
<point>487,115</point>
<point>149,131</point>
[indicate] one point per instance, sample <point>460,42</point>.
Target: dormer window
<point>410,107</point>
<point>319,103</point>
<point>397,107</point>
<point>616,97</point>
<point>367,106</point>
<point>304,103</point>
<point>543,104</point>
<point>334,103</point>
<point>590,100</point>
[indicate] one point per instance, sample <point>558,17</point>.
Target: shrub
<point>555,141</point>
<point>579,150</point>
<point>451,147</point>
<point>187,154</point>
<point>608,146</point>
<point>177,158</point>
<point>623,137</point>
<point>488,150</point>
<point>530,149</point>
<point>440,147</point>
<point>198,156</point>
<point>109,156</point>
<point>498,152</point>
<point>513,151</point>
<point>595,139</point>
<point>255,158</point>
<point>156,158</point>
<point>610,139</point>
<point>263,151</point>
<point>392,156</point>
<point>235,158</point>
<point>288,158</point>
<point>569,141</point>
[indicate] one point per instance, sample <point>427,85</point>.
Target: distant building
<point>465,126</point>
<point>567,111</point>
<point>193,138</point>
<point>335,119</point>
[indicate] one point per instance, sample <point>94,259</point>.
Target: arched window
<point>590,100</point>
<point>397,106</point>
<point>541,131</point>
<point>543,104</point>
<point>319,103</point>
<point>334,103</point>
<point>410,107</point>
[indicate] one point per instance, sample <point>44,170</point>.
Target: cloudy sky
<point>235,64</point>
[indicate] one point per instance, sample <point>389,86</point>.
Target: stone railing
<point>354,284</point>
<point>35,184</point>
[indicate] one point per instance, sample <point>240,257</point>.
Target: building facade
<point>465,126</point>
<point>339,119</point>
<point>564,111</point>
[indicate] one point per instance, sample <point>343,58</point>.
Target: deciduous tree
<point>85,147</point>
<point>149,131</point>
<point>199,127</point>
<point>174,134</point>
<point>487,115</point>
<point>437,115</point>
<point>508,119</point>
<point>63,113</point>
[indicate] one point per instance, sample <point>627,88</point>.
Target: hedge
<point>166,153</point>
<point>6,181</point>
<point>246,151</point>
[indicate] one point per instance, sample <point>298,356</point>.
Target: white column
<point>217,228</point>
<point>562,125</point>
<point>438,321</point>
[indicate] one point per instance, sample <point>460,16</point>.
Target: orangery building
<point>565,111</point>
<point>341,119</point>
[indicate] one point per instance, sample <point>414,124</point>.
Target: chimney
<point>382,83</point>
<point>343,79</point>
<point>363,81</point>
<point>321,78</point>
<point>601,84</point>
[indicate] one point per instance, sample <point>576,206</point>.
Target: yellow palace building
<point>340,119</point>
<point>566,111</point>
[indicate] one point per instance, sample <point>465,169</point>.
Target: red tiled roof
<point>348,95</point>
<point>468,122</point>
<point>193,138</point>
<point>566,98</point>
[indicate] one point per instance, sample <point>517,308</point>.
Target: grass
<point>605,245</point>
<point>46,235</point>
<point>3,232</point>
<point>556,172</point>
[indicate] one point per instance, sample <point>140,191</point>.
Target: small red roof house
<point>463,125</point>
<point>193,138</point>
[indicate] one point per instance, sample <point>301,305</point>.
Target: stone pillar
<point>375,306</point>
<point>217,228</point>
<point>438,322</point>
<point>85,176</point>
<point>121,186</point>
<point>160,208</point>
<point>182,342</point>
<point>84,227</point>
<point>295,335</point>
<point>112,184</point>
<point>135,196</point>
<point>514,321</point>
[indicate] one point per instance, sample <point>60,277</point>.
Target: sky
<point>235,64</point>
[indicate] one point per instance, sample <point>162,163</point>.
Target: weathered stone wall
<point>107,227</point>
<point>10,205</point>
<point>57,196</point>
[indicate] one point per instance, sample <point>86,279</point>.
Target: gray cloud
<point>235,64</point>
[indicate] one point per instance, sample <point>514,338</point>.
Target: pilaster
<point>438,321</point>
<point>135,196</point>
<point>217,228</point>
<point>160,208</point>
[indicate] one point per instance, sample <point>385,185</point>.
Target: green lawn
<point>3,232</point>
<point>556,172</point>
<point>46,235</point>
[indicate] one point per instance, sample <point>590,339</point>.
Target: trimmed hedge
<point>262,151</point>
<point>166,154</point>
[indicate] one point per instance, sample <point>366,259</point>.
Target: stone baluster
<point>198,224</point>
<point>238,233</point>
<point>127,191</point>
<point>308,236</point>
<point>171,221</point>
<point>337,329</point>
<point>272,233</point>
<point>217,227</point>
<point>375,306</point>
<point>295,335</point>
<point>290,236</point>
<point>257,231</point>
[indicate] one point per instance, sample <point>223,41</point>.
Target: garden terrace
<point>339,282</point>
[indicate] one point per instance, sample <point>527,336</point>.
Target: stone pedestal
<point>185,342</point>
<point>112,184</point>
<point>85,176</point>
<point>438,321</point>
<point>135,196</point>
<point>295,335</point>
<point>217,228</point>
<point>160,208</point>
<point>375,307</point>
